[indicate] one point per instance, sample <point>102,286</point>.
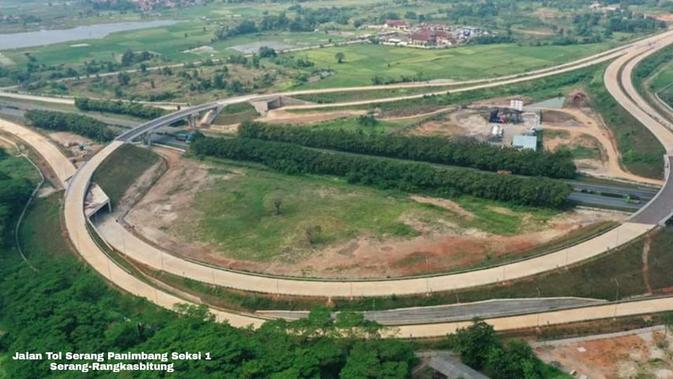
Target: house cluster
<point>148,5</point>
<point>401,33</point>
<point>598,7</point>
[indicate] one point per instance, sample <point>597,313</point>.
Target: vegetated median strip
<point>640,151</point>
<point>388,174</point>
<point>119,107</point>
<point>70,122</point>
<point>463,152</point>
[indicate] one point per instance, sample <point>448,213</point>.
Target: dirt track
<point>591,127</point>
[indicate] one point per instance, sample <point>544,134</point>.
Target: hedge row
<point>119,107</point>
<point>465,152</point>
<point>70,122</point>
<point>387,173</point>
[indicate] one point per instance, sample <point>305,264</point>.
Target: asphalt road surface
<point>457,312</point>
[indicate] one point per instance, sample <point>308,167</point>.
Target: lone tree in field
<point>340,57</point>
<point>313,234</point>
<point>277,202</point>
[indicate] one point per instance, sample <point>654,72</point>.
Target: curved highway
<point>76,224</point>
<point>139,250</point>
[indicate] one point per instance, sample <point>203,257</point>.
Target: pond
<point>48,37</point>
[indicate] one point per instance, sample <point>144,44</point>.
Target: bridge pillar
<point>147,138</point>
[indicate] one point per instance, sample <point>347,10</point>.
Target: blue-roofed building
<point>525,142</point>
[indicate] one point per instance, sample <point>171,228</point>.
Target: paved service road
<point>140,251</point>
<point>457,312</point>
<point>61,165</point>
<point>592,200</point>
<point>642,192</point>
<point>618,82</point>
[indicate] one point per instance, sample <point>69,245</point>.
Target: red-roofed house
<point>428,37</point>
<point>397,24</point>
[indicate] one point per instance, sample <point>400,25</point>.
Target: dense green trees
<point>13,195</point>
<point>482,350</point>
<point>387,173</point>
<point>69,308</point>
<point>464,152</point>
<point>304,20</point>
<point>119,107</point>
<point>82,125</point>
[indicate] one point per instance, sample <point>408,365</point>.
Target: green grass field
<point>467,62</point>
<point>238,215</point>
<point>662,83</point>
<point>118,172</point>
<point>42,224</point>
<point>18,167</point>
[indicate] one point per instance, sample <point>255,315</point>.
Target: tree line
<point>480,348</point>
<point>70,122</point>
<point>119,107</point>
<point>388,173</point>
<point>305,20</point>
<point>465,152</point>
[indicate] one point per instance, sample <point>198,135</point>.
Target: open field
<point>363,62</point>
<point>224,212</point>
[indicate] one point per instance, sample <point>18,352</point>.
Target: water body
<point>48,37</point>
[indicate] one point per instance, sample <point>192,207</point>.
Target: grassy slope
<point>660,80</point>
<point>41,228</point>
<point>122,168</point>
<point>17,167</point>
<point>641,152</point>
<point>237,213</point>
<point>236,113</point>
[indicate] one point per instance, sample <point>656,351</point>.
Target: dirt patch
<point>441,126</point>
<point>169,203</point>
<point>554,116</point>
<point>664,17</point>
<point>281,116</point>
<point>444,203</point>
<point>80,149</point>
<point>470,122</point>
<point>643,355</point>
<point>583,128</point>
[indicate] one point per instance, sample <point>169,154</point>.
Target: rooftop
<point>525,142</point>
